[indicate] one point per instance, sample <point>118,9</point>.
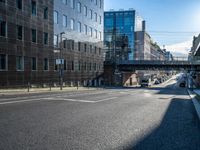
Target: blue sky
<point>181,16</point>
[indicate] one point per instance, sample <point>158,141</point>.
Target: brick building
<point>30,35</point>
<point>26,42</point>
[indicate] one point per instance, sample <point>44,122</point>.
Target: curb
<point>195,102</point>
<point>11,93</point>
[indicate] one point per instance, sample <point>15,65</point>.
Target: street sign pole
<point>61,62</point>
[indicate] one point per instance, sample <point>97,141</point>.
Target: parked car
<point>145,83</point>
<point>182,84</point>
<point>156,82</point>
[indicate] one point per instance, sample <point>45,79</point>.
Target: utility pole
<point>61,62</point>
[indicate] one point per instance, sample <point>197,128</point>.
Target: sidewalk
<point>195,96</point>
<point>24,91</point>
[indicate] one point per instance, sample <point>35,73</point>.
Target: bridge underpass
<point>123,72</point>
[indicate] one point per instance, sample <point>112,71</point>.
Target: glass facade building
<point>82,41</point>
<point>119,34</point>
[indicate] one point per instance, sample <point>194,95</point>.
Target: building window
<point>79,46</point>
<point>95,49</point>
<point>79,26</point>
<point>85,66</point>
<point>33,33</point>
<point>85,29</point>
<point>33,64</point>
<point>99,19</point>
<point>85,10</point>
<point>19,32</point>
<point>55,40</point>
<point>99,51</point>
<point>90,14</point>
<point>65,65</point>
<point>72,24</point>
<point>64,43</point>
<point>19,4</point>
<point>100,36</point>
<point>45,38</point>
<point>95,66</point>
<point>90,48</point>
<point>64,2</point>
<point>90,66</point>
<point>3,62</point>
<point>55,65</point>
<point>95,31</point>
<point>95,16</point>
<point>90,31</point>
<point>100,4</point>
<point>85,47</point>
<point>72,44</point>
<point>72,65</point>
<point>2,28</point>
<point>46,13</point>
<point>64,21</point>
<point>96,2</point>
<point>46,64</point>
<point>79,65</point>
<point>33,8</point>
<point>55,15</point>
<point>20,63</point>
<point>72,4</point>
<point>79,7</point>
<point>79,68</point>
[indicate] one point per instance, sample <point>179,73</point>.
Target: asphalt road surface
<point>158,118</point>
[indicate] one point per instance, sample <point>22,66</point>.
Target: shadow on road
<point>178,130</point>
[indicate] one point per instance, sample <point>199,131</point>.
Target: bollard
<point>49,86</point>
<point>77,85</point>
<point>28,86</point>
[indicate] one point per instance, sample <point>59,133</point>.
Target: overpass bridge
<point>124,72</point>
<point>158,65</point>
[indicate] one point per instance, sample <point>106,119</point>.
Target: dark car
<point>156,82</point>
<point>183,84</point>
<point>145,83</point>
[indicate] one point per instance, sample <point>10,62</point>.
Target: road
<point>161,117</point>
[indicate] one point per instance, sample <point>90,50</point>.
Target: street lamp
<point>61,62</point>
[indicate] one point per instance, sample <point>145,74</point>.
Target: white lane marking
<point>87,101</point>
<point>78,100</point>
<point>49,98</point>
<point>21,101</point>
<point>110,92</point>
<point>107,99</point>
<point>53,95</point>
<point>53,99</point>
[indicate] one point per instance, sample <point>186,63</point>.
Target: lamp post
<point>61,62</point>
